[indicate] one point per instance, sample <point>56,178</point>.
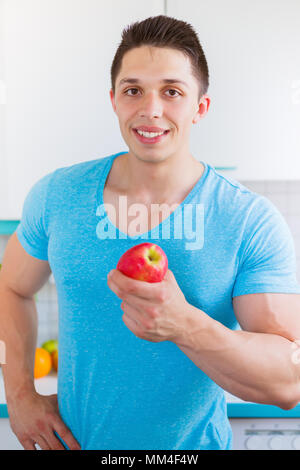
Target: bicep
<point>269,313</point>
<point>21,272</point>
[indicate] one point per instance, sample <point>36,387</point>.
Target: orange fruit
<point>42,363</point>
<point>54,357</point>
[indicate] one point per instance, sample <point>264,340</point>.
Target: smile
<point>150,140</point>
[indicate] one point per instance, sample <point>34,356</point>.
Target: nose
<point>151,106</point>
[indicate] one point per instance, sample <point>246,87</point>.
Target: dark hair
<point>164,31</point>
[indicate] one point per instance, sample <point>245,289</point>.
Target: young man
<point>143,366</point>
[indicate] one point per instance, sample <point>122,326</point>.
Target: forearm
<point>18,331</point>
<point>255,367</point>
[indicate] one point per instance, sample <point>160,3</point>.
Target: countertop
<point>236,408</point>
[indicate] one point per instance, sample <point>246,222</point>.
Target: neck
<point>160,181</point>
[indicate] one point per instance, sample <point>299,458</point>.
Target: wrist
<point>200,332</point>
<point>16,393</point>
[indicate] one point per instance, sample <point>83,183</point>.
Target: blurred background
<point>55,58</point>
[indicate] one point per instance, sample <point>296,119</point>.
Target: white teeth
<point>150,135</point>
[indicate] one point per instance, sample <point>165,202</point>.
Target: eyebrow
<point>165,80</point>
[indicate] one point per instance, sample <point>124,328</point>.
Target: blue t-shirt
<point>115,390</point>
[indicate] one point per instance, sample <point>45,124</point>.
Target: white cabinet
<point>56,57</point>
<point>8,440</point>
<point>252,49</point>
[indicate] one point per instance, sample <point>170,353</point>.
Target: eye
<point>129,89</point>
<point>170,89</point>
<point>174,90</point>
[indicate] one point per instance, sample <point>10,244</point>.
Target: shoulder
<point>227,183</point>
<point>69,182</point>
<point>230,195</point>
<point>82,175</point>
<point>240,210</point>
<point>80,170</point>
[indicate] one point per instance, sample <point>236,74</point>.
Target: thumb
<point>169,276</point>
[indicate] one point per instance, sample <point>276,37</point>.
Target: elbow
<point>288,405</point>
<point>289,402</point>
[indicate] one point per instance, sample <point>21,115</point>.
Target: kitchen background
<point>55,111</point>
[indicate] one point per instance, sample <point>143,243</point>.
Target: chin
<point>154,159</point>
<point>149,158</point>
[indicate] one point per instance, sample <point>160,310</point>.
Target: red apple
<point>144,262</point>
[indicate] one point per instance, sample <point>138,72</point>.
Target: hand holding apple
<point>155,311</point>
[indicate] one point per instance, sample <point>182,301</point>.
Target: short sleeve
<point>267,261</point>
<point>32,230</point>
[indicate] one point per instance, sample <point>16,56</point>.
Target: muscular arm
<point>33,417</point>
<point>21,277</point>
<point>256,365</point>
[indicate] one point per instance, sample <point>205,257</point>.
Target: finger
<point>131,325</point>
<point>142,319</point>
<point>66,435</point>
<point>132,313</point>
<point>115,289</point>
<point>41,441</point>
<point>145,290</point>
<point>54,442</point>
<point>169,275</point>
<point>144,306</point>
<point>28,444</point>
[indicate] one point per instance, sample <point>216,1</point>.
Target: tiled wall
<point>284,194</point>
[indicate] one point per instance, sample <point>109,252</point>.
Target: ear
<point>112,99</point>
<point>202,108</point>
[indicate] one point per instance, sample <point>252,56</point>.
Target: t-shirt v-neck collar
<point>147,234</point>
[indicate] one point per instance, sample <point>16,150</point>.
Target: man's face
<point>150,102</point>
